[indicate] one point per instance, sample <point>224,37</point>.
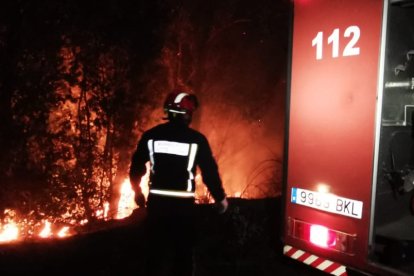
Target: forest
<point>81,80</point>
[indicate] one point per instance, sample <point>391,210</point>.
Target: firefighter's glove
<point>140,199</point>
<point>221,206</point>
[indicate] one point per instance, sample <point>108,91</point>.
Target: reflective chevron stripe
<point>315,261</point>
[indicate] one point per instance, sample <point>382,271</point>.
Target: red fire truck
<point>349,147</point>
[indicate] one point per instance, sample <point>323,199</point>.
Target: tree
<point>70,96</point>
<point>80,81</point>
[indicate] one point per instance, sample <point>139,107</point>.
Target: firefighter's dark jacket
<point>174,151</point>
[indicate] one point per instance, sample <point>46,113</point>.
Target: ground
<point>244,241</point>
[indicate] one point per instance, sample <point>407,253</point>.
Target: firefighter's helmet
<point>181,103</point>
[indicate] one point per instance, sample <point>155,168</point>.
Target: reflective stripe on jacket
<point>175,151</point>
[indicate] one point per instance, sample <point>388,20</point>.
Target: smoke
<point>235,62</point>
<point>248,150</point>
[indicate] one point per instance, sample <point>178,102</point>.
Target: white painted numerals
<point>351,49</point>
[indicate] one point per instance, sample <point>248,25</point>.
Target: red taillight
<point>322,236</point>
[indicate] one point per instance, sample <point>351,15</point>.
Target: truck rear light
<point>322,236</point>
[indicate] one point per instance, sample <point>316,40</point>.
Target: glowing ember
<point>103,213</point>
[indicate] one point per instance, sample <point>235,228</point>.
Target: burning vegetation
<point>78,87</point>
<point>14,228</point>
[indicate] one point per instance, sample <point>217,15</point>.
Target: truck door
<point>393,228</point>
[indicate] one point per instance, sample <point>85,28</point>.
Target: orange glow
<point>106,209</point>
<point>103,213</point>
<point>126,202</point>
<point>46,231</point>
<point>11,227</point>
<point>64,232</point>
<point>10,232</point>
<point>145,180</point>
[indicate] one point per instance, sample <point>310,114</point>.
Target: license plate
<point>327,202</point>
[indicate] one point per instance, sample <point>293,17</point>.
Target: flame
<point>10,232</point>
<point>10,228</point>
<point>103,213</point>
<point>46,231</point>
<point>145,180</point>
<point>106,209</point>
<point>126,203</point>
<point>64,232</point>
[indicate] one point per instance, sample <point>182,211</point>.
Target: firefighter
<point>174,151</point>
